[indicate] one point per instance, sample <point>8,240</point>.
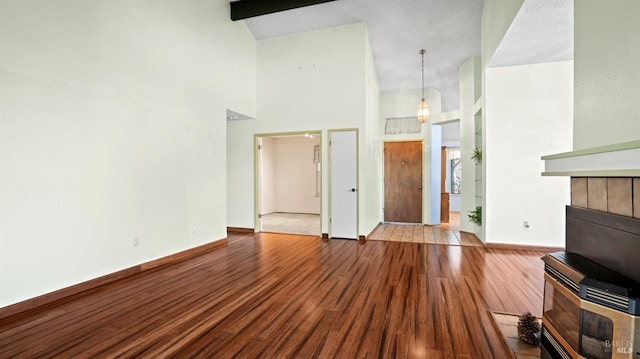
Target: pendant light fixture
<point>423,106</point>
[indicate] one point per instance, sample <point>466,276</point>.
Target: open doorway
<point>451,175</point>
<point>289,183</point>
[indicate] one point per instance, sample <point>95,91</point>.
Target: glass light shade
<point>423,111</point>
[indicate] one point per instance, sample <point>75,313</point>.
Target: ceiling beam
<point>243,9</point>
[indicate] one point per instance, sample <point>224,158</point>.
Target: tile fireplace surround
<point>605,178</point>
<point>607,194</point>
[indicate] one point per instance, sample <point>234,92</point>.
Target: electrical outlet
<point>526,226</point>
<point>136,241</point>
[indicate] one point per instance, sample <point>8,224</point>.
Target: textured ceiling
<point>542,31</point>
<point>448,29</point>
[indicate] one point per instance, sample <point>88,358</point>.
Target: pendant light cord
<point>422,53</point>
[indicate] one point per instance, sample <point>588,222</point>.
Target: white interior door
<point>259,183</point>
<point>344,184</point>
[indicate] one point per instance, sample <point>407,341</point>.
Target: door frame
<point>256,172</point>
<point>423,175</point>
<point>330,185</point>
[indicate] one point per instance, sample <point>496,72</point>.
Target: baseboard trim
<point>80,289</point>
<point>240,230</point>
<point>522,247</point>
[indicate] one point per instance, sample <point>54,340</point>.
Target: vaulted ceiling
<point>448,29</point>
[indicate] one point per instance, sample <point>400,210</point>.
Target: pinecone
<point>528,327</point>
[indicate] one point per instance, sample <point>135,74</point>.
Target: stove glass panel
<point>562,314</point>
<point>597,336</point>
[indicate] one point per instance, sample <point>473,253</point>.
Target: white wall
<point>295,175</point>
<point>433,177</point>
<point>451,134</point>
<point>267,165</point>
<point>497,17</point>
<point>455,205</point>
<point>405,104</point>
<point>470,92</point>
<point>312,81</point>
<point>529,110</point>
<point>371,155</point>
<point>113,128</point>
<point>607,72</point>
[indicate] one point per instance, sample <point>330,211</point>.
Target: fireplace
<point>592,294</point>
<point>589,311</point>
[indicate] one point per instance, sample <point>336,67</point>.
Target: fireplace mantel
<point>619,160</point>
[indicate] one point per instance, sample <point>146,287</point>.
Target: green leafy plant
<point>475,216</point>
<point>477,155</point>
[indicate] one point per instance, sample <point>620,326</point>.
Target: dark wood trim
<point>325,235</point>
<point>444,195</point>
<point>362,238</point>
<point>240,230</point>
<point>244,9</point>
<point>83,288</point>
<point>522,247</point>
<point>183,255</point>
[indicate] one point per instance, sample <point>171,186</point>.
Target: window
<point>455,170</point>
<point>402,125</point>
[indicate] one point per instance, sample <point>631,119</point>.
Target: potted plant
<point>475,216</point>
<point>477,155</point>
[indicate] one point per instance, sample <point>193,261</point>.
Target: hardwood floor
<point>287,296</point>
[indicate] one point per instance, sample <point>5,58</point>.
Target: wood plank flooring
<point>287,296</point>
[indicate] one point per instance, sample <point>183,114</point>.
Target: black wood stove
<point>592,310</point>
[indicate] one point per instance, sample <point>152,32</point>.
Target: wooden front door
<point>403,182</point>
